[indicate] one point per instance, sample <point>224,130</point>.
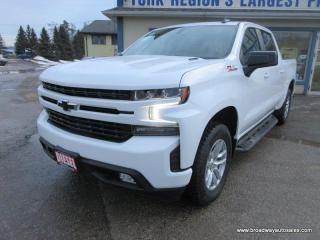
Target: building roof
<point>100,27</point>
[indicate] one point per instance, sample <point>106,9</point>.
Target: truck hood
<point>124,72</point>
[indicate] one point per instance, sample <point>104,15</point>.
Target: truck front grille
<point>89,92</point>
<point>115,132</point>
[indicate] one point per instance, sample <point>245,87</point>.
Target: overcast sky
<point>39,13</point>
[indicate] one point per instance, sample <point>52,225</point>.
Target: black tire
<point>197,189</point>
<point>282,114</point>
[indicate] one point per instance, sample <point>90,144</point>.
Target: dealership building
<point>295,24</point>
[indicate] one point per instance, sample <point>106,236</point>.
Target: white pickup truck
<point>169,112</point>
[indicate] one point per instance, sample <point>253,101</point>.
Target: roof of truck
<point>222,23</point>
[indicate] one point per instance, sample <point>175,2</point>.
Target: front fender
<point>193,118</point>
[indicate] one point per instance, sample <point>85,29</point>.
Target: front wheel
<point>211,165</point>
<point>283,113</point>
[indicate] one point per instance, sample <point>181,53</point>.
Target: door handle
<point>281,71</point>
<point>266,75</point>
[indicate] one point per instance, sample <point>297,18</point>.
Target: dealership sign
<point>227,4</point>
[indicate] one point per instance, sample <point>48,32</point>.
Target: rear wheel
<point>211,165</point>
<point>283,113</point>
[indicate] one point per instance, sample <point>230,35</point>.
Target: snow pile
<point>43,61</point>
<point>63,61</point>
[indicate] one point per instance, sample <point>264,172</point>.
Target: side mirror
<point>259,59</point>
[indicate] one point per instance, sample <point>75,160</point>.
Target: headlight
<point>182,93</point>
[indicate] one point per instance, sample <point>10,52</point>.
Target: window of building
<point>114,39</point>
<point>268,41</point>
<point>98,40</point>
<point>250,43</point>
<point>295,45</point>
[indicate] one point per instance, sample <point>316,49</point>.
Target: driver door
<point>257,97</point>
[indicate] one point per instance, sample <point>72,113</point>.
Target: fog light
<point>126,178</point>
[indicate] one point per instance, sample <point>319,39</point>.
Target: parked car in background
<point>169,113</point>
<point>3,61</point>
<point>26,55</point>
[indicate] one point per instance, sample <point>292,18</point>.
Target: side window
<point>98,40</point>
<point>268,41</point>
<point>250,43</point>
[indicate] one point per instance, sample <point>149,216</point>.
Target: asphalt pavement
<point>276,185</point>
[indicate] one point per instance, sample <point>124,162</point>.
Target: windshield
<point>210,42</point>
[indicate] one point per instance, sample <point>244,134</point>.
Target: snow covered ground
<point>38,63</point>
<point>43,61</point>
<point>47,63</point>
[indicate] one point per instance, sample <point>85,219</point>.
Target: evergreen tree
<point>21,41</point>
<point>33,42</point>
<point>70,28</point>
<point>28,36</point>
<point>66,48</point>
<point>44,49</point>
<point>78,45</point>
<point>2,45</point>
<point>57,46</point>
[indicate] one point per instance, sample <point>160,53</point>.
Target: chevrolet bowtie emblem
<point>66,106</point>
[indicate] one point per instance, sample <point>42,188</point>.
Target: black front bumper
<point>108,173</point>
